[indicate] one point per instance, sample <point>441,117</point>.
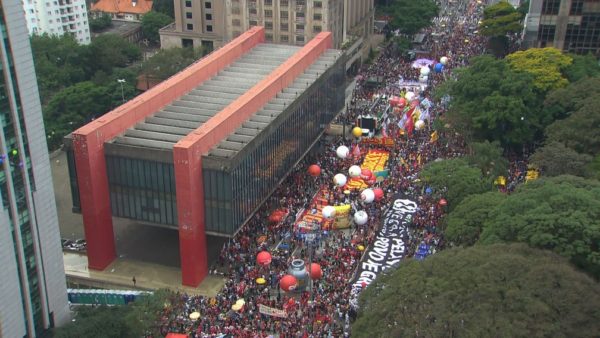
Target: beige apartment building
<point>213,23</point>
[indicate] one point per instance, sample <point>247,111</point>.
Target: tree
<point>102,22</point>
<point>560,213</point>
<point>488,157</point>
<point>481,291</point>
<point>152,22</point>
<point>546,65</point>
<point>561,102</point>
<point>554,159</point>
<point>110,51</point>
<point>500,19</point>
<point>411,16</point>
<point>167,62</point>
<point>165,7</point>
<point>583,66</point>
<point>464,223</point>
<point>492,102</point>
<point>454,179</point>
<point>580,130</point>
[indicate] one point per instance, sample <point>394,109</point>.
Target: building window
<point>268,2</point>
<point>268,25</point>
<point>236,22</point>
<point>252,11</point>
<point>576,7</point>
<point>317,29</point>
<point>209,28</point>
<point>190,27</point>
<point>269,37</point>
<point>318,16</point>
<point>188,3</point>
<point>299,38</point>
<point>546,34</point>
<point>187,43</point>
<point>284,27</point>
<point>283,3</point>
<point>299,27</point>
<point>268,13</point>
<point>253,23</point>
<point>550,7</point>
<point>188,15</point>
<point>207,5</point>
<point>285,38</point>
<point>235,11</point>
<point>284,14</point>
<point>318,4</point>
<point>208,16</point>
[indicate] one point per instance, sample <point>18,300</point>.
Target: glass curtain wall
<point>142,190</point>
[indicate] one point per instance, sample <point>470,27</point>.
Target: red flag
<point>356,151</point>
<point>410,124</point>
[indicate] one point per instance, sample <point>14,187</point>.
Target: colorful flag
<point>501,180</point>
<point>434,137</point>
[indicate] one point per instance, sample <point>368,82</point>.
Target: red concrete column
<point>95,200</point>
<point>190,209</point>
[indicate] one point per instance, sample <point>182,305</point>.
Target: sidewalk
<point>148,276</point>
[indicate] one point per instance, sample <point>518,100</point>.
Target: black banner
<point>388,248</point>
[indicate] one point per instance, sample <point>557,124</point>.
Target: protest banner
<point>270,311</point>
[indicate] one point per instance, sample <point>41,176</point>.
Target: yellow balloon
<point>361,248</point>
<point>357,131</point>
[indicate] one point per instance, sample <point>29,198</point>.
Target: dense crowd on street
<point>326,311</point>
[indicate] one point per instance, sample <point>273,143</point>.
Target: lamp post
<point>121,81</point>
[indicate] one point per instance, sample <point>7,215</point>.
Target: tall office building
<point>213,23</point>
<point>33,295</point>
<point>57,17</point>
<point>569,25</point>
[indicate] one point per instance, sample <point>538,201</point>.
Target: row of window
<point>207,16</point>
<point>207,4</point>
<point>190,27</point>
<point>284,26</point>
<point>552,7</point>
<point>316,4</point>
<point>282,14</point>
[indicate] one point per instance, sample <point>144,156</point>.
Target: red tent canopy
<point>177,335</point>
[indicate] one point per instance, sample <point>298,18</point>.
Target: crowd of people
<point>324,310</point>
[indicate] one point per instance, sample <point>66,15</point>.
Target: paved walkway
<point>149,276</point>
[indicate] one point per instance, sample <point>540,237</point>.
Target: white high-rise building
<point>57,17</point>
<point>33,291</point>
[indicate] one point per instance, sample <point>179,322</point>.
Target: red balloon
<point>315,271</point>
<point>378,193</point>
<point>363,284</point>
<point>263,258</point>
<point>443,202</point>
<point>288,283</point>
<point>402,102</point>
<point>365,174</point>
<point>314,170</point>
<point>371,180</point>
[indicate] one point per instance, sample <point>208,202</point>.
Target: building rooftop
<point>236,141</point>
<point>123,6</point>
<point>166,127</point>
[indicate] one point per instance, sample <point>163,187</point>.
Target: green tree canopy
<point>411,16</point>
<point>464,223</point>
<point>101,22</point>
<point>561,102</point>
<point>546,65</point>
<point>481,291</point>
<point>500,19</point>
<point>152,22</point>
<point>492,102</point>
<point>111,50</point>
<point>454,179</point>
<point>580,131</point>
<point>488,157</point>
<point>560,213</point>
<point>583,66</point>
<point>166,7</point>
<point>167,62</point>
<point>554,159</point>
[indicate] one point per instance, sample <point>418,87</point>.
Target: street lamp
<point>121,81</point>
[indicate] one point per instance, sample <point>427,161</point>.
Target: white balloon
<point>425,70</point>
<point>409,96</point>
<point>423,79</point>
<point>328,212</point>
<point>342,151</point>
<point>367,195</point>
<point>444,60</point>
<point>340,180</point>
<point>361,217</point>
<point>354,171</point>
<point>420,124</point>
